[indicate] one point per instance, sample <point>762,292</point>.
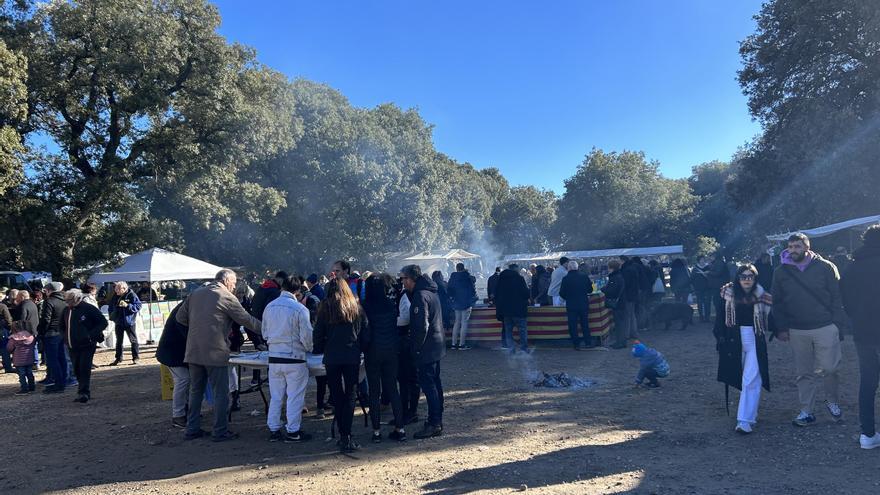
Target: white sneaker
<point>743,427</point>
<point>834,409</point>
<point>869,442</point>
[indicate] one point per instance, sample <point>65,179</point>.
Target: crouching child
<point>652,365</point>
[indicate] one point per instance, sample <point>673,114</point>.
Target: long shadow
<point>565,466</point>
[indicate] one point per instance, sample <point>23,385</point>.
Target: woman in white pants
<point>740,332</point>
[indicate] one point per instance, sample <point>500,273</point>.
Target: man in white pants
<point>288,331</point>
<point>556,281</point>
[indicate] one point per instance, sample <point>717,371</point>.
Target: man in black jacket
<point>860,294</point>
<point>426,331</point>
<point>615,298</point>
<point>575,289</point>
<point>492,285</point>
<point>512,307</point>
<point>50,331</point>
<point>82,326</point>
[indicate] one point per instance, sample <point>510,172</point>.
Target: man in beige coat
<point>210,313</point>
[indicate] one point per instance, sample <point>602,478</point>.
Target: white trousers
<point>459,331</point>
<point>288,379</point>
<point>558,301</point>
<point>750,397</point>
<point>180,395</point>
<point>233,378</point>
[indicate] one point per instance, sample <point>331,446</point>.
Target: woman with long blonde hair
<point>341,331</point>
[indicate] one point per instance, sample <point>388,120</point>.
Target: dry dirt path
<point>502,435</point>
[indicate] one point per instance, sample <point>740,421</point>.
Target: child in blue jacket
<point>652,365</point>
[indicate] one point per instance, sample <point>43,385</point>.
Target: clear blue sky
<point>528,87</point>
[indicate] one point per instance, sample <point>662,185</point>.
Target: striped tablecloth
<point>544,323</point>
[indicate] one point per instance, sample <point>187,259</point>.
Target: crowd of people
<point>393,327</point>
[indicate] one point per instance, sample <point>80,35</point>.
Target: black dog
<point>666,313</point>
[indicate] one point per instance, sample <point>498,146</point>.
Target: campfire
<point>562,380</point>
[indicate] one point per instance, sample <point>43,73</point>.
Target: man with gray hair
<point>82,326</point>
<point>575,290</point>
<point>124,307</point>
<point>210,312</point>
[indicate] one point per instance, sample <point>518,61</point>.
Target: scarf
<point>762,308</point>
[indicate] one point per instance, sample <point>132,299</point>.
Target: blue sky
<point>528,87</point>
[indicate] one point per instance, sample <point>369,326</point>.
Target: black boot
<point>236,403</point>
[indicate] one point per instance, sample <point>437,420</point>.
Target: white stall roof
<point>445,254</point>
<point>156,265</point>
<point>829,229</point>
<point>596,253</point>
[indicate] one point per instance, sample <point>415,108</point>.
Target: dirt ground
<point>501,435</point>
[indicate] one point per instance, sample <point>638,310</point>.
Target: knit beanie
<point>639,349</point>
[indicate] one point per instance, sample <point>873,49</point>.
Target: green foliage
<point>13,111</point>
<point>620,200</point>
<point>812,75</point>
<point>151,107</point>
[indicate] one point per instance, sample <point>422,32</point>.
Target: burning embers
<point>562,380</point>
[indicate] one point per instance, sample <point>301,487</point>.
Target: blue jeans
<point>507,332</point>
<point>199,378</point>
<point>429,380</point>
<point>26,377</point>
<point>56,360</point>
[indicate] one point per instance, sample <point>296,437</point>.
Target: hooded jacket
<point>287,328</point>
<point>861,294</point>
<point>50,318</point>
<point>462,290</point>
<point>83,326</point>
<point>266,293</point>
<point>426,322</point>
<point>809,299</point>
<point>21,345</point>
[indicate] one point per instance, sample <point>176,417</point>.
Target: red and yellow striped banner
<point>543,323</point>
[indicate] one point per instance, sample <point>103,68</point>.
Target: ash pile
<point>562,380</point>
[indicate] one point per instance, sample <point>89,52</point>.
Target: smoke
<point>479,240</point>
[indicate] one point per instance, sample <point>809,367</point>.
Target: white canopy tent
<point>855,223</point>
<point>156,265</point>
<point>595,253</point>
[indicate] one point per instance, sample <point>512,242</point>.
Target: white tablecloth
<point>260,359</point>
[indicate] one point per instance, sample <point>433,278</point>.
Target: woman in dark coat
<point>740,331</point>
<point>381,353</point>
<point>680,280</point>
<point>341,331</point>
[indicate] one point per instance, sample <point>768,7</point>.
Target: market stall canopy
<point>855,223</point>
<point>156,265</point>
<point>444,254</point>
<point>595,253</point>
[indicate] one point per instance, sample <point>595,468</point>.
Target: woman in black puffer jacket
<point>381,353</point>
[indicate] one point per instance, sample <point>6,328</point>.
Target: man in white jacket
<point>556,281</point>
<point>288,331</point>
